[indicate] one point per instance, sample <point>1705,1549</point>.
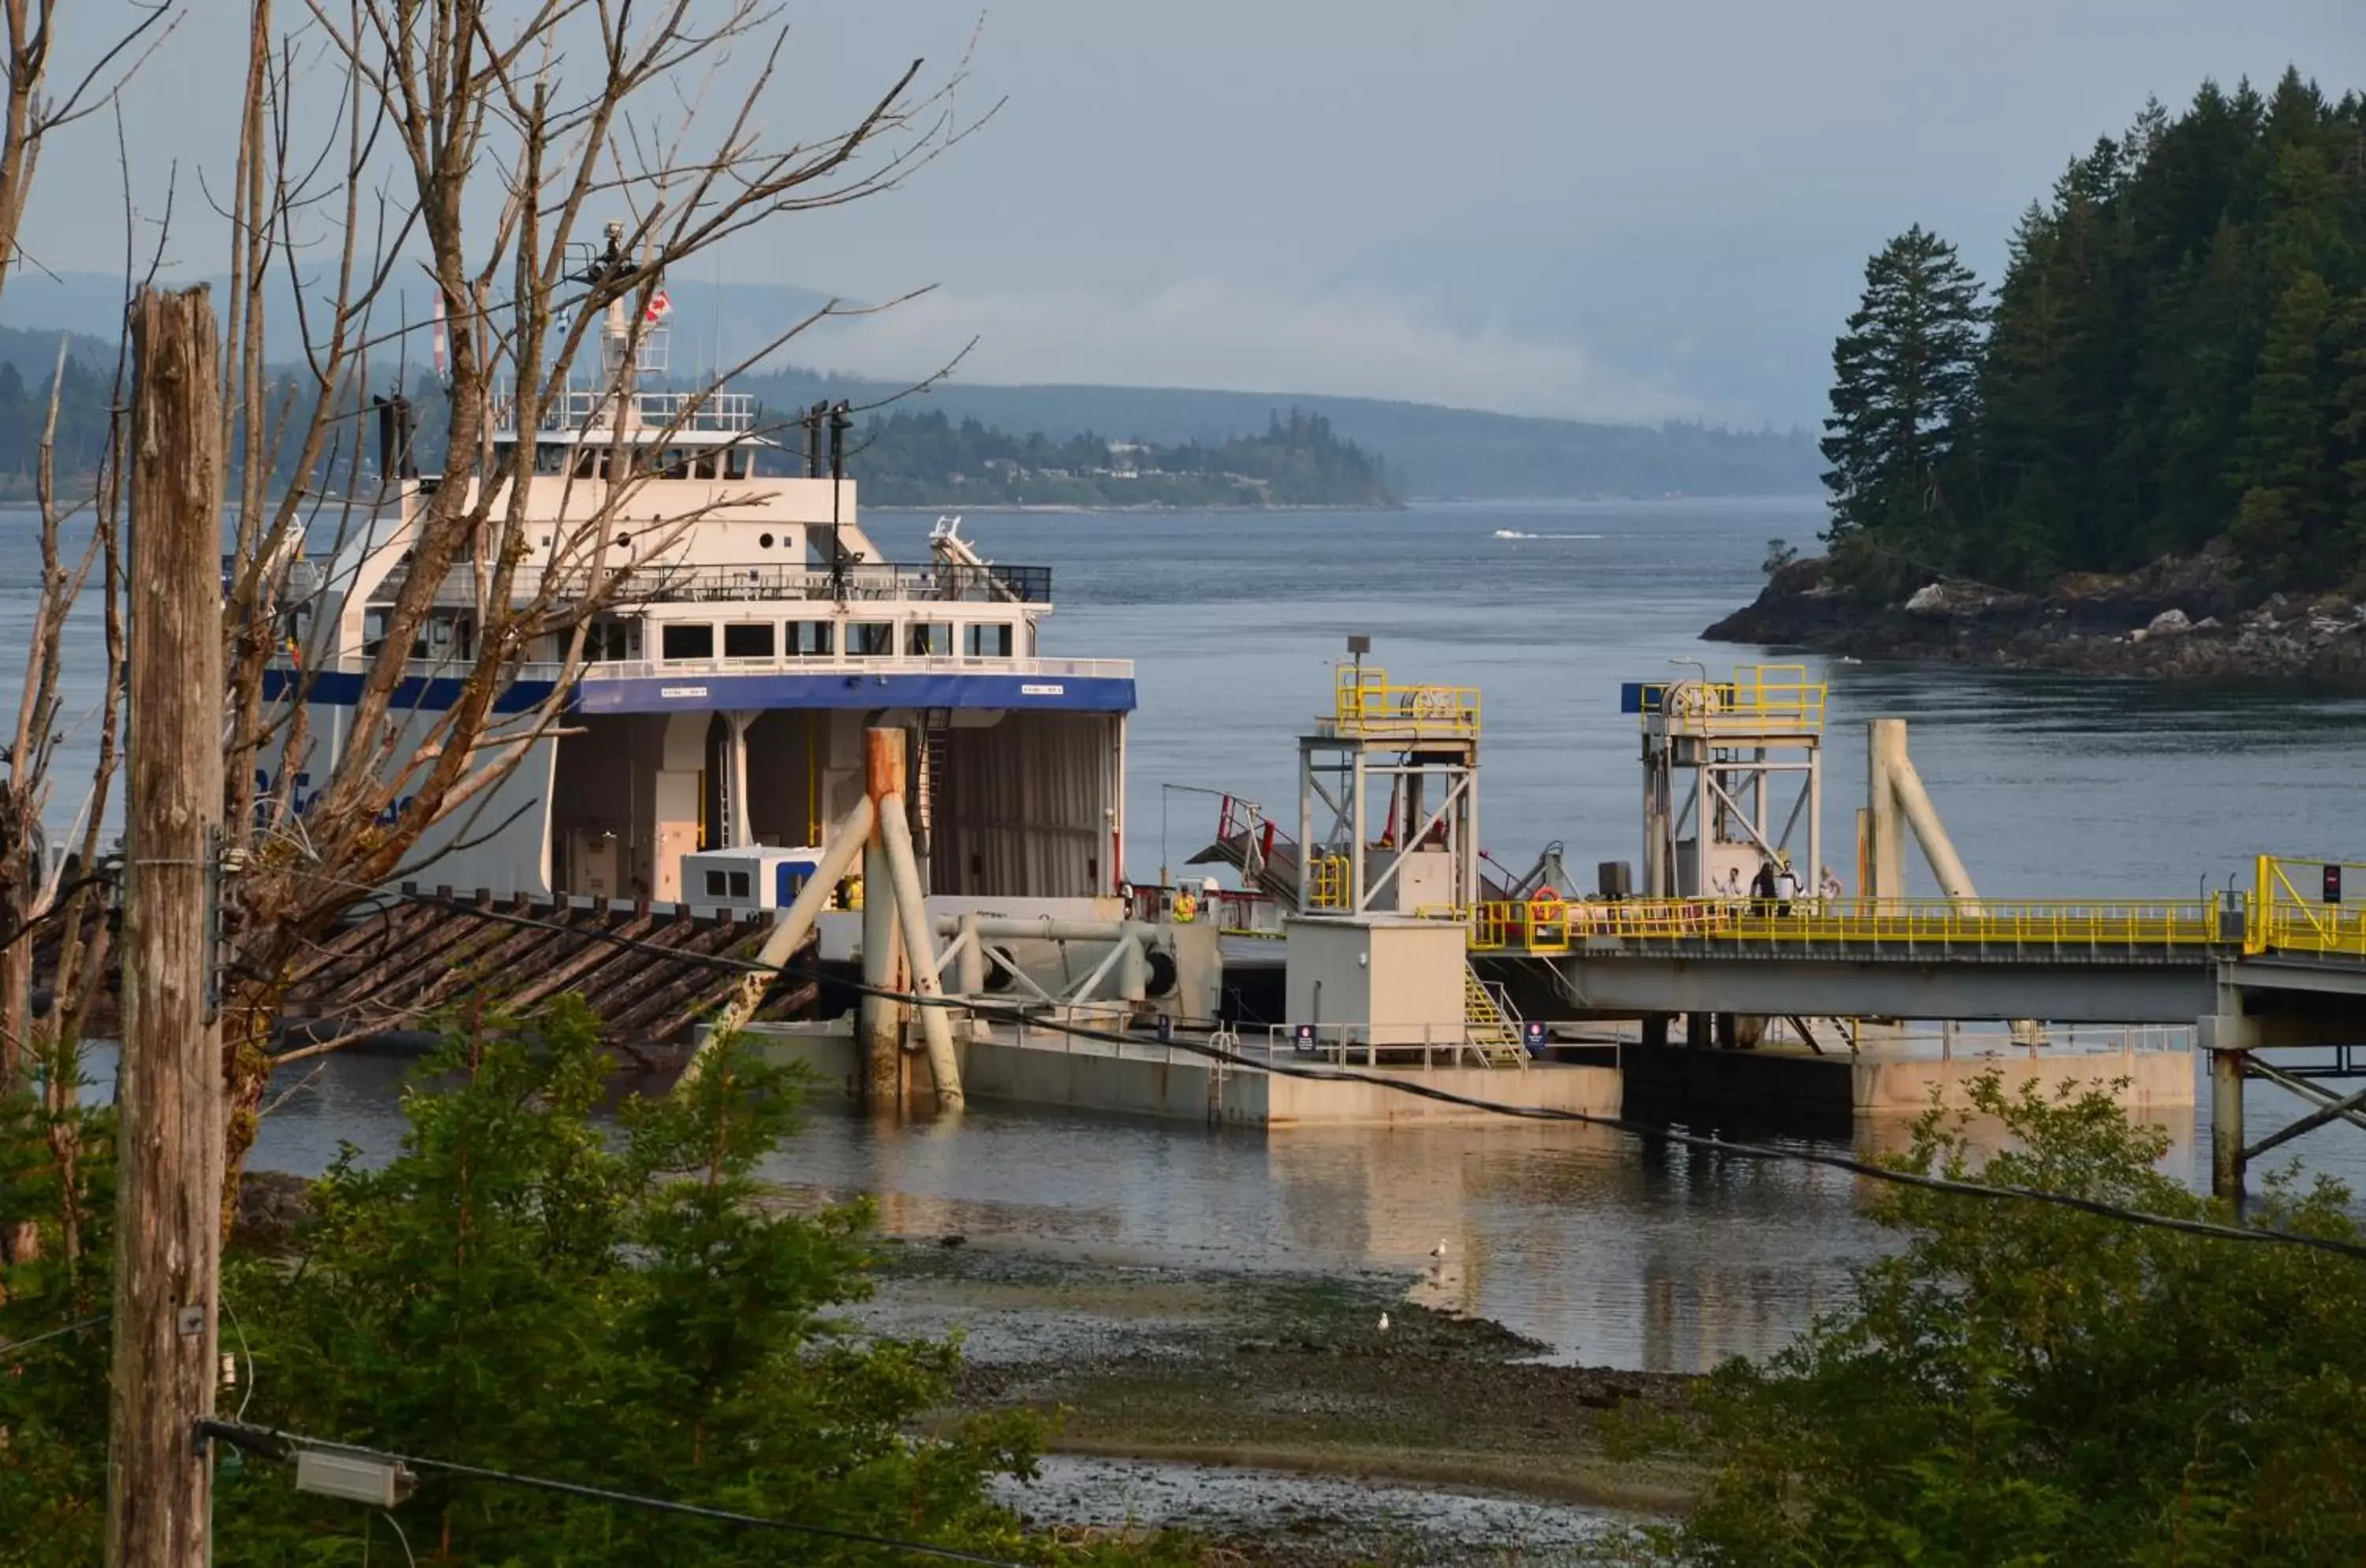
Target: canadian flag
<point>661,307</point>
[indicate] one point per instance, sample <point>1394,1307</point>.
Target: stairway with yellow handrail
<point>1489,1025</point>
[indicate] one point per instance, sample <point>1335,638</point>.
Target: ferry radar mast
<point>618,361</point>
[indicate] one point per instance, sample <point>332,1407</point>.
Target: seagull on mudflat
<point>1384,1323</point>
<point>1439,1250</point>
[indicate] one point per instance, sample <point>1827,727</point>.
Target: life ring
<point>1546,907</point>
<point>1187,908</point>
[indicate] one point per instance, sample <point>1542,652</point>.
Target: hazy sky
<point>1620,209</point>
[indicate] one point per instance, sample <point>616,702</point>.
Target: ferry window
<point>373,632</point>
<point>689,642</point>
<point>813,639</point>
<point>983,640</point>
<point>612,640</point>
<point>765,541</point>
<point>715,885</point>
<point>738,885</point>
<point>549,458</point>
<point>448,636</point>
<point>929,639</point>
<point>747,640</point>
<point>740,465</point>
<point>869,639</point>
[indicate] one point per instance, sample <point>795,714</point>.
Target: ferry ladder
<point>1490,1026</point>
<point>936,744</point>
<point>1220,1072</point>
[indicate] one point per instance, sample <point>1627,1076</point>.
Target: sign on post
<point>2333,884</point>
<point>1534,1034</point>
<point>1302,1036</point>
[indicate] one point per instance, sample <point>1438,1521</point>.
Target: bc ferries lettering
<point>303,798</point>
<point>1043,691</point>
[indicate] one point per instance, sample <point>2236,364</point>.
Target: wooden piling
<point>881,1022</point>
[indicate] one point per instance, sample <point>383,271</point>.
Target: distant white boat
<point>1516,533</point>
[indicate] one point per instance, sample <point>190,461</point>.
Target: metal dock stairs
<point>1489,1025</point>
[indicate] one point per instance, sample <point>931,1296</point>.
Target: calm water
<point>2050,787</point>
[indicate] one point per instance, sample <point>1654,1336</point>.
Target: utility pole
<point>168,1090</point>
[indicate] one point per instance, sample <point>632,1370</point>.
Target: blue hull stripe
<point>1073,694</point>
<point>342,688</point>
<point>1068,693</point>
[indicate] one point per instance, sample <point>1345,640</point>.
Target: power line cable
<point>62,1329</point>
<point>276,1443</point>
<point>1705,1142</point>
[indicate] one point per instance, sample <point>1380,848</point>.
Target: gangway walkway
<point>1255,846</point>
<point>2085,959</point>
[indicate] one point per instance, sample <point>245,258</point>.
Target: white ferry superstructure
<point>716,729</point>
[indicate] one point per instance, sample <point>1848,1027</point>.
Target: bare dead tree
<point>36,899</point>
<point>484,145</point>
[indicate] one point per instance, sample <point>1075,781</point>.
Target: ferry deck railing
<point>644,669</point>
<point>577,408</point>
<point>657,581</point>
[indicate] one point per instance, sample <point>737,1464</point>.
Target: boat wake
<point>1516,533</point>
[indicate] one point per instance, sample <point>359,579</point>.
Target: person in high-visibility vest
<point>1187,908</point>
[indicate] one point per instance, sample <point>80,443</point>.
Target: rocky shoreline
<point>2179,620</point>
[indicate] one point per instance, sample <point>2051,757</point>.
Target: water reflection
<point>1612,1250</point>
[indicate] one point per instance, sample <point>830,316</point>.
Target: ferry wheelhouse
<point>718,728</point>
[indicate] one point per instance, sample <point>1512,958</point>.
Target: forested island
<point>927,459</point>
<point>2146,449</point>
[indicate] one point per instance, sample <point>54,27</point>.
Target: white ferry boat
<point>717,729</point>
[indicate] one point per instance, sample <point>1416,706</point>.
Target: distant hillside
<point>926,460</point>
<point>1429,452</point>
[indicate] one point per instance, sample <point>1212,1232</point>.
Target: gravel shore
<point>1218,1376</point>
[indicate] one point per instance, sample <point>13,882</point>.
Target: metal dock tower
<point>1419,851</point>
<point>1733,774</point>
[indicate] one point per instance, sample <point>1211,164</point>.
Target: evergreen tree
<point>2286,521</point>
<point>2350,423</point>
<point>1902,384</point>
<point>2166,364</point>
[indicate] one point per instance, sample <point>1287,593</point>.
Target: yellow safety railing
<point>2290,912</point>
<point>1365,702</point>
<point>1326,886</point>
<point>2094,924</point>
<point>1758,698</point>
